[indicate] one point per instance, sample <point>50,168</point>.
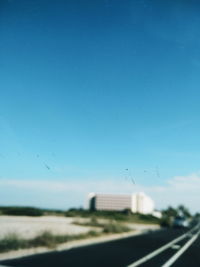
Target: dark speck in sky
<point>48,168</point>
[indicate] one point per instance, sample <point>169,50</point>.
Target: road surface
<point>169,247</point>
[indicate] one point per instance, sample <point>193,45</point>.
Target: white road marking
<point>161,249</point>
<point>176,246</point>
<point>181,251</point>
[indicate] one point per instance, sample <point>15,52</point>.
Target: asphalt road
<point>122,252</point>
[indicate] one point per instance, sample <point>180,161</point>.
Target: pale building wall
<point>139,202</point>
<point>145,204</point>
<point>134,203</point>
<point>112,202</point>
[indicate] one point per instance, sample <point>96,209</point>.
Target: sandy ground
<point>28,227</point>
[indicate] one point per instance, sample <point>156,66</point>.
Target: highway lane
<point>118,253</point>
<point>168,254</point>
<point>191,257</point>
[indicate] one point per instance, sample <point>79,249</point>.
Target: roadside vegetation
<point>106,227</point>
<point>29,211</point>
<point>21,211</point>
<point>50,240</point>
<point>114,227</point>
<point>123,216</point>
<point>169,214</point>
<point>45,239</point>
<point>106,222</point>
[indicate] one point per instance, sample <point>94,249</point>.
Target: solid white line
<point>161,249</point>
<point>181,251</point>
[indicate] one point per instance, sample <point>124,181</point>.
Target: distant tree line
<point>21,211</point>
<point>124,215</point>
<point>170,213</point>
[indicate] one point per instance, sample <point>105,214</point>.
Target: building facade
<point>137,203</point>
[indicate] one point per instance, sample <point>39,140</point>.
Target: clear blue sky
<point>90,88</point>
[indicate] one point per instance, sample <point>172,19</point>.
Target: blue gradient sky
<point>90,88</point>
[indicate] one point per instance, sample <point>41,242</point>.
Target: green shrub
<point>166,221</point>
<point>115,228</point>
<point>45,239</point>
<point>12,242</point>
<point>148,218</point>
<point>93,233</point>
<point>21,211</point>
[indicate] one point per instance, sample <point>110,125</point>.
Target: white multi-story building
<point>138,202</point>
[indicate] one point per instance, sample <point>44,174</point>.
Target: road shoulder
<point>74,244</point>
